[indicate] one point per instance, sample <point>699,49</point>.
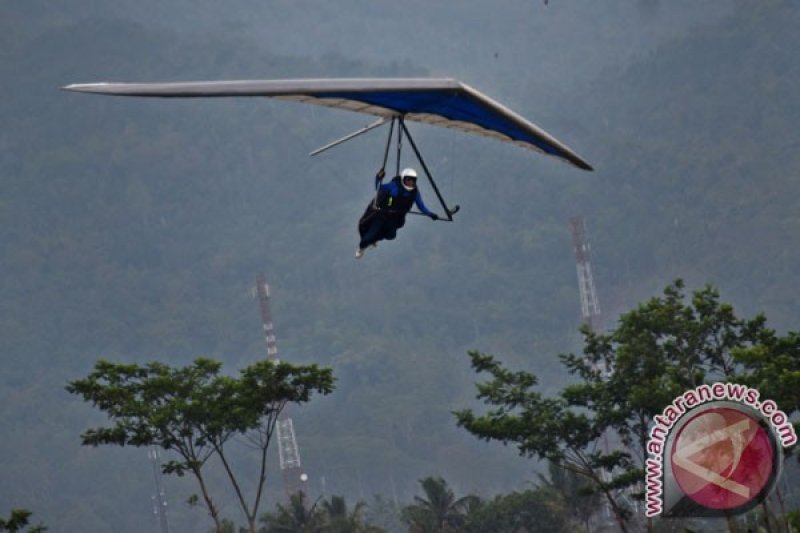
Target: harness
<point>400,204</point>
<point>392,204</point>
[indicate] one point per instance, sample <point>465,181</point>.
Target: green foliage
<point>572,494</point>
<point>191,409</point>
<point>773,368</point>
<point>549,428</point>
<point>537,425</point>
<point>626,377</point>
<point>327,516</point>
<point>657,351</point>
<point>541,509</point>
<point>339,519</point>
<point>195,411</point>
<point>297,517</point>
<point>794,520</point>
<point>530,511</point>
<point>438,510</point>
<point>18,520</point>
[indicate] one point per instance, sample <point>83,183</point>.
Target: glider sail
<point>442,102</point>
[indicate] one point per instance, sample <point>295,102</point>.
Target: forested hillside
<point>704,168</point>
<point>134,229</point>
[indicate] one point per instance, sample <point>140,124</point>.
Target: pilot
<point>387,212</point>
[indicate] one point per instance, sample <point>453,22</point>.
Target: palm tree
<point>339,520</point>
<point>295,518</point>
<point>439,511</point>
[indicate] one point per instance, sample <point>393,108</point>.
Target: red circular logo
<point>723,458</point>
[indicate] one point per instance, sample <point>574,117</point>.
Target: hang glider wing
<point>441,102</point>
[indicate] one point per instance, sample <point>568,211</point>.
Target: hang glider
<point>447,103</point>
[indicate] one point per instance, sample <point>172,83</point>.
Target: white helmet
<point>408,173</point>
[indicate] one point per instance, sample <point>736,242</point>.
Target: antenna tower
<point>160,497</point>
<point>294,477</point>
<point>590,312</point>
<point>590,307</point>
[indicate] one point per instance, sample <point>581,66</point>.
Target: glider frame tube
<point>380,122</point>
<point>402,131</point>
<point>448,212</point>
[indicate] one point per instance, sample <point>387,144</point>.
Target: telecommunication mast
<point>590,307</point>
<point>590,313</point>
<point>294,477</point>
<point>160,497</point>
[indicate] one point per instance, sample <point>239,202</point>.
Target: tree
<point>538,510</point>
<point>626,377</point>
<point>341,520</point>
<point>296,518</point>
<point>438,511</point>
<point>18,520</point>
<point>194,411</point>
<point>572,495</point>
<point>548,428</point>
<point>773,367</point>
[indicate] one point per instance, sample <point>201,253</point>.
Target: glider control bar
<point>449,212</point>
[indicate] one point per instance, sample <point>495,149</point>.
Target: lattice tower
<point>160,497</point>
<point>294,477</point>
<point>590,307</point>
